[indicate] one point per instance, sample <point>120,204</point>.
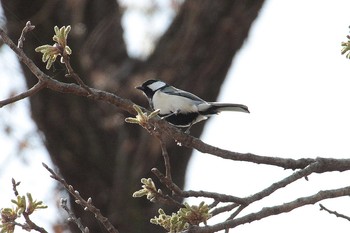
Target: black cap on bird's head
<point>151,86</point>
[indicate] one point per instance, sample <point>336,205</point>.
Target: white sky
<point>291,75</point>
<point>296,84</point>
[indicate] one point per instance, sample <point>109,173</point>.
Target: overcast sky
<point>291,75</point>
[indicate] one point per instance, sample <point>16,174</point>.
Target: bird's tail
<point>219,107</point>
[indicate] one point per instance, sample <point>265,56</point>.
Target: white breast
<point>172,103</point>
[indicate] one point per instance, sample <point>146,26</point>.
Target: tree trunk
<point>94,149</point>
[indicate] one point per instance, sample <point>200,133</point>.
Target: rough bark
<point>94,149</point>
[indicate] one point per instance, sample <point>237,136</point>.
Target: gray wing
<point>174,91</point>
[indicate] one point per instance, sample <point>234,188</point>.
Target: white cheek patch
<point>170,103</point>
<point>156,85</point>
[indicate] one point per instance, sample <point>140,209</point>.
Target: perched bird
<point>182,108</point>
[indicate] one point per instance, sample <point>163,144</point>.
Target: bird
<point>181,108</point>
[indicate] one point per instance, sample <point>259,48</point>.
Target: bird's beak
<point>140,88</point>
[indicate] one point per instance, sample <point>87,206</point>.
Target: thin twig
<point>29,27</point>
<point>214,204</point>
<point>334,213</point>
<point>177,191</point>
<point>234,214</point>
<point>216,196</point>
<point>167,182</point>
<point>166,159</point>
<point>283,183</point>
<point>14,186</point>
<point>165,154</point>
<point>226,208</point>
<point>162,198</point>
<point>86,204</point>
<point>35,89</point>
<point>72,217</point>
<point>74,75</point>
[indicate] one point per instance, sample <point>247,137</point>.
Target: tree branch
<point>29,27</point>
<point>222,209</point>
<point>32,91</point>
<point>334,212</point>
<point>284,182</point>
<point>165,156</point>
<point>72,217</point>
<point>275,210</point>
<point>74,75</point>
<point>86,204</point>
<point>31,224</point>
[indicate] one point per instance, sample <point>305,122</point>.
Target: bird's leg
<point>187,131</point>
<point>171,114</point>
<point>166,116</point>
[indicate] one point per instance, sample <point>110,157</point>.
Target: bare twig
<point>167,182</point>
<point>74,75</point>
<point>36,88</point>
<point>14,186</point>
<point>237,212</point>
<point>165,154</point>
<point>166,159</point>
<point>282,183</point>
<point>86,204</point>
<point>72,217</point>
<point>334,213</point>
<point>214,204</point>
<point>29,27</point>
<point>216,196</point>
<point>223,209</point>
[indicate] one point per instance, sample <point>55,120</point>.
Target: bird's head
<point>151,86</point>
